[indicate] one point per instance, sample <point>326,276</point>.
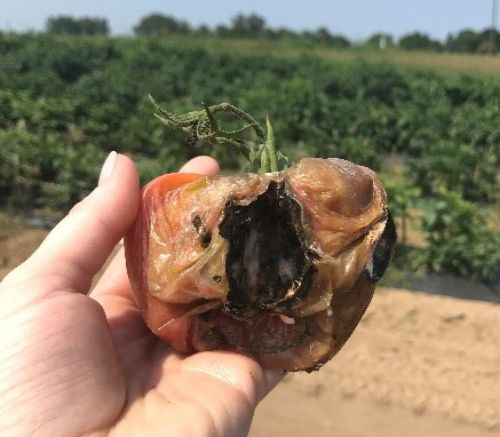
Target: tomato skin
<point>168,182</point>
<point>154,311</point>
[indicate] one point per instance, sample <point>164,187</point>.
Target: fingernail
<point>107,168</point>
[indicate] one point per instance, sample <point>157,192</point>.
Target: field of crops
<point>435,138</point>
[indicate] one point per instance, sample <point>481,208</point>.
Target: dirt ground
<point>418,365</point>
<point>17,246</point>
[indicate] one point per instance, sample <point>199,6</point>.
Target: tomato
<point>280,265</point>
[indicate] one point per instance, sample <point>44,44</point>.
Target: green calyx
<point>203,125</point>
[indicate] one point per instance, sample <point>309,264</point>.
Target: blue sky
<point>356,19</point>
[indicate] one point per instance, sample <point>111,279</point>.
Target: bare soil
<point>16,246</point>
<point>417,365</point>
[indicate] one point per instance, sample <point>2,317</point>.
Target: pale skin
<point>75,362</point>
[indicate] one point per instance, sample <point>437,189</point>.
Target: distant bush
<point>251,25</point>
<point>158,24</point>
<point>464,41</point>
<point>66,25</point>
<point>324,38</point>
<point>470,41</point>
<point>419,41</point>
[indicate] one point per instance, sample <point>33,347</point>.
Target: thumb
<point>78,246</point>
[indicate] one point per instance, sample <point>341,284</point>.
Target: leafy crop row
<point>66,101</point>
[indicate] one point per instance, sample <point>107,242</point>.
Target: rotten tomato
<point>280,265</point>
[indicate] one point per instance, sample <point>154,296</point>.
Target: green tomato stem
<point>271,147</point>
<point>203,126</point>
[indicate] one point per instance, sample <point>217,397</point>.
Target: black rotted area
<point>267,254</point>
<point>384,250</point>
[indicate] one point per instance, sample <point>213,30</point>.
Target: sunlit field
<point>425,359</point>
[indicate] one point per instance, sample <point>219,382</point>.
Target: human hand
<point>80,364</point>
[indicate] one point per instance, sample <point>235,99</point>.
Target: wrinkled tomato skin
<point>178,255</point>
<point>154,311</point>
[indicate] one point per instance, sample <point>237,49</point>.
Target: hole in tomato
<point>268,263</point>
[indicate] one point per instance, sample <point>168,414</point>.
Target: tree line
<point>255,26</point>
